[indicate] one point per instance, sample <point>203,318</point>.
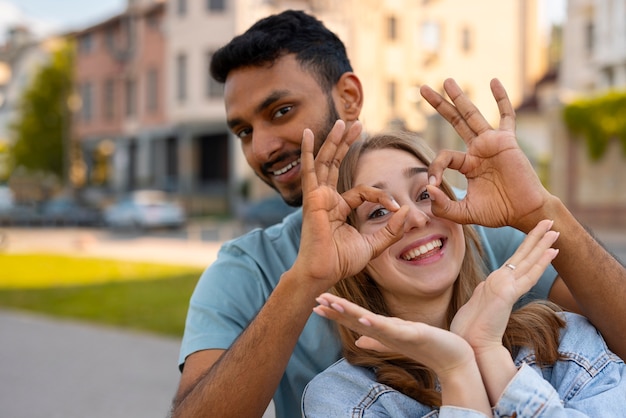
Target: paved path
<point>52,368</point>
<point>58,368</point>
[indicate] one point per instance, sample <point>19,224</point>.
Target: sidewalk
<point>52,368</point>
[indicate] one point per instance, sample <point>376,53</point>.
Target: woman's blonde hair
<point>536,325</point>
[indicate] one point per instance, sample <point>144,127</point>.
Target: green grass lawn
<point>142,296</point>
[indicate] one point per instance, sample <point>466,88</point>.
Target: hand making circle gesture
<point>330,248</point>
<point>503,188</point>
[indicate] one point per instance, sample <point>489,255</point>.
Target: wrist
<point>552,208</point>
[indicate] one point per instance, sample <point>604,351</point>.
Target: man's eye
<point>378,213</point>
<point>282,111</point>
<point>243,133</point>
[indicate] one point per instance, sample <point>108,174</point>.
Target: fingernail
<point>365,322</point>
<point>319,312</point>
<point>337,307</point>
<point>432,180</point>
<point>321,301</point>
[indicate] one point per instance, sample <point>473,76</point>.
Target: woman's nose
<point>417,218</point>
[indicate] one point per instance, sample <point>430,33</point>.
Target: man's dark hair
<point>316,48</point>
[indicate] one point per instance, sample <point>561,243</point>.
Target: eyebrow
<point>269,100</point>
<point>408,173</point>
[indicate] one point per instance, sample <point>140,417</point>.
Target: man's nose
<point>265,145</point>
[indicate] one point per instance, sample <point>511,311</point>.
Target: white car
<point>145,209</point>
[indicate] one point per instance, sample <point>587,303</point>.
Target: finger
<point>309,178</point>
<point>535,254</point>
<point>326,156</point>
<point>369,343</point>
<point>530,278</point>
<point>449,112</point>
<point>394,230</point>
<point>444,207</point>
<point>467,110</point>
<point>353,133</point>
<point>360,193</point>
<point>531,242</point>
<point>507,112</point>
<point>446,159</point>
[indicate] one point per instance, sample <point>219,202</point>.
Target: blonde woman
<point>437,337</point>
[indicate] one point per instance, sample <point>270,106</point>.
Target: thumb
<point>392,232</point>
<point>444,207</point>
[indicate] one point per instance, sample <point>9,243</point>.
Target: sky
<point>46,17</point>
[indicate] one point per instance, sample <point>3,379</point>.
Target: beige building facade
<point>394,46</point>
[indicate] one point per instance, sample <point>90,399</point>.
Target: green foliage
<point>43,118</point>
<point>137,295</point>
<point>599,120</point>
<point>157,306</point>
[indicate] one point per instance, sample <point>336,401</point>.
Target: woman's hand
<point>483,319</point>
<point>436,348</point>
<point>447,354</point>
<point>331,249</point>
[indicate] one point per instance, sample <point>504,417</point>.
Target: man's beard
<point>332,116</point>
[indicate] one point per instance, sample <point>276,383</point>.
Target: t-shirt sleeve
<point>227,297</point>
<point>499,244</point>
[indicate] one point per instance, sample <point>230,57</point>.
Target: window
<point>181,77</point>
<point>181,7</point>
<point>86,96</point>
<point>108,96</point>
<point>466,39</point>
<point>213,88</point>
<point>131,97</point>
<point>430,36</point>
<point>392,28</point>
<point>589,42</point>
<point>85,43</point>
<point>216,5</point>
<point>392,94</point>
<point>152,90</point>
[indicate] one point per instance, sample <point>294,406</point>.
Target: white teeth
<point>286,168</point>
<point>422,249</point>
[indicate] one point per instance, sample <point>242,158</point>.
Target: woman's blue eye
<point>424,195</point>
<point>378,213</point>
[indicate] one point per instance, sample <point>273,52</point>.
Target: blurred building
<point>152,113</point>
<point>593,63</point>
<point>120,109</point>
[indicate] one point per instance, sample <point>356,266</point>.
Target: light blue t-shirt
<point>233,289</point>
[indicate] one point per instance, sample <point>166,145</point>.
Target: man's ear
<point>349,96</point>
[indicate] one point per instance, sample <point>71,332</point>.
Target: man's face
<point>268,108</point>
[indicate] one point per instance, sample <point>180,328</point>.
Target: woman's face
<point>420,269</point>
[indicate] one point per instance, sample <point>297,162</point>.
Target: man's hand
<point>503,188</point>
<point>331,249</point>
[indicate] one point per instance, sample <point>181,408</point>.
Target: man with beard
<point>250,335</point>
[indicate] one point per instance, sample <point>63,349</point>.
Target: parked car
<point>65,211</point>
<point>145,209</point>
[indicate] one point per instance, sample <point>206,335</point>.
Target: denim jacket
<point>589,380</point>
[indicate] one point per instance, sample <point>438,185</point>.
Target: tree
<point>43,123</point>
<point>598,120</point>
